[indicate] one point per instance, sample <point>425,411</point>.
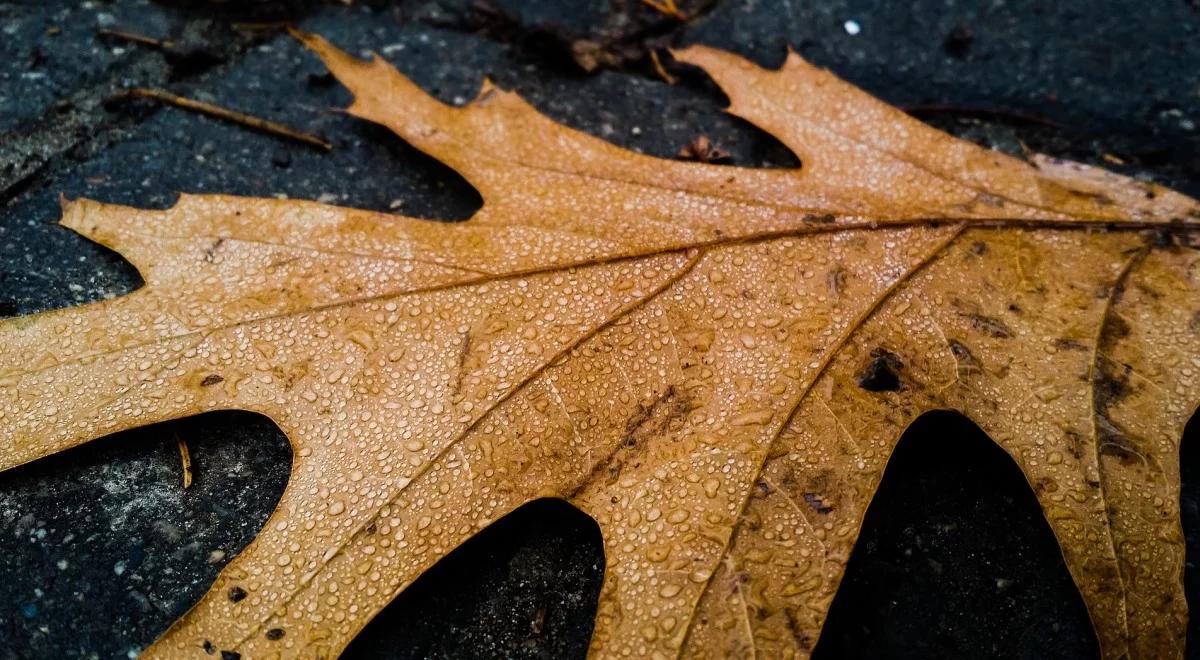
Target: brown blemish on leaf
<point>835,281</point>
<point>210,252</point>
<point>817,502</point>
<point>1115,329</point>
<point>802,640</point>
<point>882,373</point>
<point>1115,443</point>
<point>648,423</point>
<point>990,326</point>
<point>464,352</point>
<point>1068,344</point>
<point>1074,443</point>
<point>1045,485</point>
<point>968,364</point>
<point>211,379</point>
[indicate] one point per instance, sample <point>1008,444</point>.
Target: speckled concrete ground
<point>102,548</point>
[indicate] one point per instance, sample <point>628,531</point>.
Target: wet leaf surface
<point>715,363</point>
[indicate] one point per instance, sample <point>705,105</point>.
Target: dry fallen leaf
<point>713,362</point>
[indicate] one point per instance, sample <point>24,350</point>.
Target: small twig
<point>257,123</point>
<point>660,69</point>
<point>272,26</point>
<point>185,457</point>
<point>164,44</point>
<point>667,7</point>
<point>988,113</point>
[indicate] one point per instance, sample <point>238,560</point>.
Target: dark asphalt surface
<point>103,549</point>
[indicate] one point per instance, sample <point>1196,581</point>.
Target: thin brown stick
<point>268,26</point>
<point>986,113</point>
<point>256,123</point>
<point>164,44</point>
<point>667,7</point>
<point>185,458</point>
<point>660,69</point>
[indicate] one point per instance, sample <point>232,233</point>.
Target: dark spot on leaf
<point>967,363</point>
<point>802,639</point>
<point>274,634</point>
<point>836,281</point>
<point>1045,485</point>
<point>960,350</point>
<point>210,252</point>
<point>1110,383</point>
<point>649,422</point>
<point>979,248</point>
<point>211,379</point>
<point>882,373</point>
<point>208,647</point>
<point>1074,443</point>
<point>818,503</point>
<point>823,218</point>
<point>1115,328</point>
<point>990,326</point>
<point>1116,444</point>
<point>236,594</point>
<point>1163,238</point>
<point>231,655</point>
<point>1149,290</point>
<point>1065,344</point>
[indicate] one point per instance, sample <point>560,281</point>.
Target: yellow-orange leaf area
<point>713,362</point>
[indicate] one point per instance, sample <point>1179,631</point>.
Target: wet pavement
<point>103,548</point>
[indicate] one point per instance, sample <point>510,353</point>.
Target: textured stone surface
<point>104,548</point>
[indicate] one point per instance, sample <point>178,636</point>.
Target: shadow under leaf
<point>955,560</point>
<point>525,587</point>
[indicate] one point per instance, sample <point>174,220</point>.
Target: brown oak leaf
<point>713,362</point>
